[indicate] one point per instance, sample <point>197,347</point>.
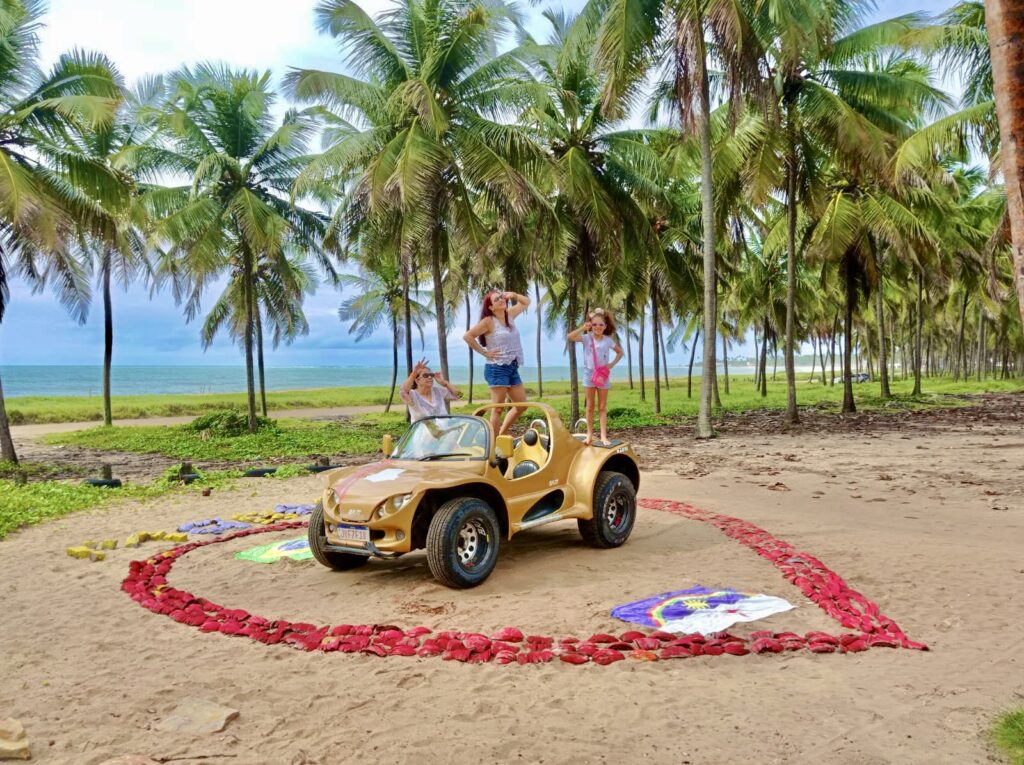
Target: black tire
<point>614,511</point>
<point>260,472</point>
<point>318,540</point>
<point>103,483</point>
<point>463,542</point>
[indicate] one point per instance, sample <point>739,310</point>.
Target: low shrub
<point>229,423</point>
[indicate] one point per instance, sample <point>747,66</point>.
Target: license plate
<point>353,533</point>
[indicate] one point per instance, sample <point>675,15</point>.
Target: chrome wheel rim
<point>473,543</point>
<point>616,511</point>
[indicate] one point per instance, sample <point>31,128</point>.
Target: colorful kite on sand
<point>296,549</point>
<point>700,609</point>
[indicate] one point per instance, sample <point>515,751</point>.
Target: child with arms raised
<point>597,334</point>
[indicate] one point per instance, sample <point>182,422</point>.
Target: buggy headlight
<point>392,505</point>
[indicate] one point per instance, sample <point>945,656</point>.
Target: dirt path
<point>922,514</point>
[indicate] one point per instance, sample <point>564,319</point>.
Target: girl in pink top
<point>597,334</point>
<point>425,398</point>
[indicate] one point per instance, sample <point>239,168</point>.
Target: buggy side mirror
<point>387,445</point>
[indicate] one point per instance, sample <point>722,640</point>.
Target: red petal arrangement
<point>146,584</point>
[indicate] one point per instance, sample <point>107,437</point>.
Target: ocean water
<point>139,380</point>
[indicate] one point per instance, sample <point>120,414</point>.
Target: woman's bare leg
<point>602,408</point>
<point>498,396</point>
<point>590,416</point>
<point>516,394</point>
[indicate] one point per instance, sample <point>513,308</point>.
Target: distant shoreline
<point>85,381</point>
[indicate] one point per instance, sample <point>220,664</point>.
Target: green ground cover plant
<point>28,410</point>
<point>25,504</point>
<point>1008,735</point>
<point>301,439</point>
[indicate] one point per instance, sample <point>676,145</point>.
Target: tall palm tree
<point>278,304</point>
<point>235,217</point>
<point>699,34</point>
<point>124,256</point>
<point>428,144</point>
<point>378,298</point>
<point>45,201</point>
<point>1005,22</point>
<point>832,104</point>
<point>604,182</point>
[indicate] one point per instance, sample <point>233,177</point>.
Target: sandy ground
<point>923,514</point>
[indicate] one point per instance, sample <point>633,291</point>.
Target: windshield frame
<point>407,436</point>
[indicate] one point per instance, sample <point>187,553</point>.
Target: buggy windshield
<point>444,438</point>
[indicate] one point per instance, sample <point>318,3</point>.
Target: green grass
<point>31,503</point>
<point>37,409</point>
<point>25,410</point>
<point>299,439</point>
<point>1008,735</point>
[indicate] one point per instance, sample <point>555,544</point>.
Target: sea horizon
<point>21,380</point>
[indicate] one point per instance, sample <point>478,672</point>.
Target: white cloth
<point>718,618</point>
<point>420,406</point>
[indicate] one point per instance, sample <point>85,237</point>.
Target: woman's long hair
<point>488,312</point>
<point>609,321</point>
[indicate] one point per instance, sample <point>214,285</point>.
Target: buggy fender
<point>590,463</point>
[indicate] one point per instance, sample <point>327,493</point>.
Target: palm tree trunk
<point>960,365</point>
<point>757,360</point>
<point>394,361</point>
<point>775,357</point>
<point>7,453</point>
<point>918,323</point>
<point>764,360</point>
<point>108,337</point>
<point>851,294</point>
<point>469,324</point>
<point>979,368</point>
<point>821,358</point>
<point>259,361</point>
<point>247,295</point>
<point>629,355</point>
<point>883,369</point>
<point>832,352</point>
<point>435,272</point>
<point>570,321</point>
<point>689,373</point>
<point>792,416</point>
<point>725,363</point>
<point>406,304</point>
<point>640,356</point>
<point>814,358</point>
<point>1004,20</point>
<point>664,356</point>
<point>657,350</point>
<point>704,428</point>
<point>540,322</point>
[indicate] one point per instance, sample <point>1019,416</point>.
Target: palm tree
<point>278,299</point>
<point>379,298</point>
<point>426,148</point>
<point>125,255</point>
<point>700,32</point>
<point>1005,22</point>
<point>217,127</point>
<point>45,201</point>
<point>604,183</point>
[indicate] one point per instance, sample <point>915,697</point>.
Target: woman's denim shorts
<point>502,375</point>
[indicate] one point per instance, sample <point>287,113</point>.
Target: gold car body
<point>394,499</point>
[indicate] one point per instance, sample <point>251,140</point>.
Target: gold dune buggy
<point>449,486</point>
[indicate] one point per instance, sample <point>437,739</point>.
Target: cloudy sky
<point>153,36</point>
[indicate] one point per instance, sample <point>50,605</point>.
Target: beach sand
<point>924,514</point>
